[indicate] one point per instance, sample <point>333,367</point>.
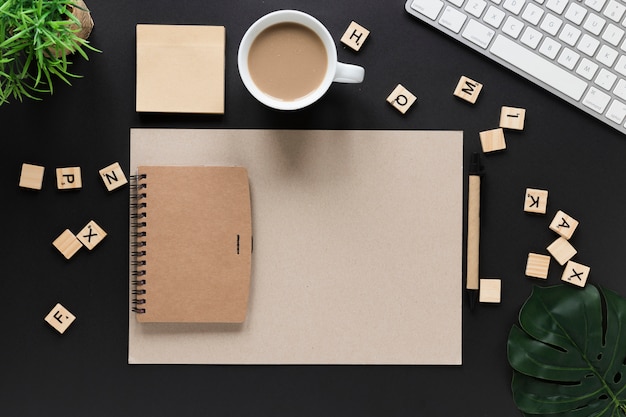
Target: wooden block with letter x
<point>576,274</point>
<point>91,235</point>
<point>468,89</point>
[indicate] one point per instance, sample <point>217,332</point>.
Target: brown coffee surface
<point>287,61</point>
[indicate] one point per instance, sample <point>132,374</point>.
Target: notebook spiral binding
<point>138,241</point>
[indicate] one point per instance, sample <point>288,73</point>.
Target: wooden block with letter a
<point>563,224</point>
<point>468,89</point>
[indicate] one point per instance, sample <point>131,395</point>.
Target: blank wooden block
<point>537,265</point>
<point>401,98</point>
<point>67,244</point>
<point>113,176</point>
<point>468,89</point>
<point>91,235</point>
<point>492,140</point>
<point>576,274</point>
<point>69,178</point>
<point>562,250</point>
<point>31,176</point>
<point>355,36</point>
<point>60,318</point>
<point>512,118</point>
<point>564,225</point>
<point>490,290</point>
<point>536,201</point>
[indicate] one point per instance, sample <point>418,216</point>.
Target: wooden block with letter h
<point>355,36</point>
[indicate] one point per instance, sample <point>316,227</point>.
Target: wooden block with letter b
<point>468,89</point>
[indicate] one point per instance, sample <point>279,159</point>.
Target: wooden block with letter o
<point>401,98</point>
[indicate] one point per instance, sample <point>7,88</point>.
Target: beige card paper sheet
<point>357,248</point>
<point>180,68</point>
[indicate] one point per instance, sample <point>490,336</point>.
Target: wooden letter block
<point>468,89</point>
<point>31,176</point>
<point>91,235</point>
<point>401,98</point>
<point>67,244</point>
<point>512,118</point>
<point>60,318</point>
<point>536,201</point>
<point>492,140</point>
<point>562,250</point>
<point>355,36</point>
<point>113,176</point>
<point>69,178</point>
<point>564,225</point>
<point>576,274</point>
<point>537,265</point>
<point>490,290</point>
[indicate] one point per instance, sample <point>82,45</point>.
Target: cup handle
<point>348,73</point>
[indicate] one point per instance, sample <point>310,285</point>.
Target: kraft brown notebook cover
<point>193,244</point>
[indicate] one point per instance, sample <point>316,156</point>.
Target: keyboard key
<point>452,19</point>
<point>532,14</point>
<point>475,7</point>
<point>538,67</point>
<point>531,37</point>
<point>616,112</point>
<point>457,3</point>
<point>620,89</point>
<point>606,79</point>
<point>594,24</point>
<point>596,5</point>
<point>596,100</point>
<point>429,8</point>
<point>478,33</point>
<point>551,24</point>
<point>613,34</point>
<point>575,13</point>
<point>588,45</point>
<point>494,17</point>
<point>512,27</point>
<point>550,48</point>
<point>614,10</point>
<point>514,6</point>
<point>621,65</point>
<point>568,58</point>
<point>607,56</point>
<point>587,69</point>
<point>570,35</point>
<point>557,6</point>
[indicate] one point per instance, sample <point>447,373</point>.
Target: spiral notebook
<point>357,247</point>
<point>192,239</point>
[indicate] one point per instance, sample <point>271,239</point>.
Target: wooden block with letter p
<point>69,178</point>
<point>468,89</point>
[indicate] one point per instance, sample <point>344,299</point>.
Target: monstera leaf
<point>569,353</point>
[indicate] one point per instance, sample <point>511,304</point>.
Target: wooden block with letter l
<point>512,118</point>
<point>60,318</point>
<point>536,201</point>
<point>537,265</point>
<point>113,176</point>
<point>563,224</point>
<point>401,98</point>
<point>468,89</point>
<point>576,274</point>
<point>562,250</point>
<point>31,176</point>
<point>492,140</point>
<point>355,36</point>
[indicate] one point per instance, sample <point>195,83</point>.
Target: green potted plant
<point>36,39</point>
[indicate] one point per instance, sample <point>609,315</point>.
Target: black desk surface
<point>85,372</point>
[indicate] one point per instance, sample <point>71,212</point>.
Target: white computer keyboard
<point>574,48</point>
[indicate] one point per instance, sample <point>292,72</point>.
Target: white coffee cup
<point>335,71</point>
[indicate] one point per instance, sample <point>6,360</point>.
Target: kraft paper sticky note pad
<point>180,68</point>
